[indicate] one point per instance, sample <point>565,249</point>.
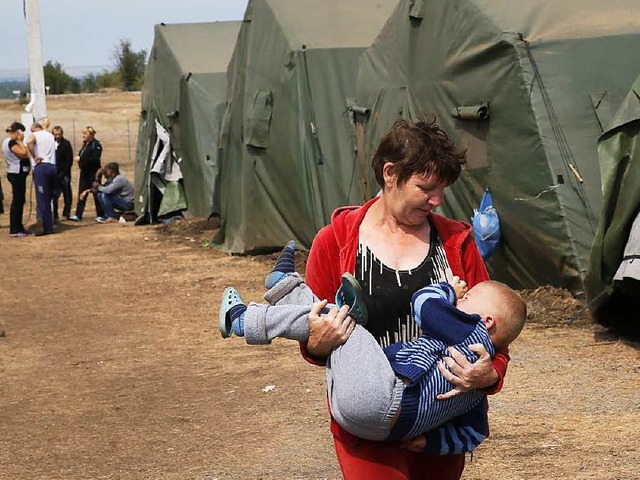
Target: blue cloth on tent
<point>486,226</point>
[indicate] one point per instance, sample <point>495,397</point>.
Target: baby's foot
<point>350,293</point>
<point>232,310</point>
<point>284,264</point>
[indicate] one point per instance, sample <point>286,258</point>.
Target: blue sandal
<point>230,298</point>
<point>350,293</point>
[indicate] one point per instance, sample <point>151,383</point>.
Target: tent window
<point>259,119</point>
<point>474,139</point>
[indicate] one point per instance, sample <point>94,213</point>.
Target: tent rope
<point>546,190</point>
<point>312,112</point>
<point>563,145</point>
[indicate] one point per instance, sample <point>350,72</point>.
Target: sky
<point>83,34</point>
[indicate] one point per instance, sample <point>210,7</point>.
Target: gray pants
<point>364,392</point>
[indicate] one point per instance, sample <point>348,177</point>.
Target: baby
<point>393,395</point>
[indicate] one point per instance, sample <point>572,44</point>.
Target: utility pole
<point>36,109</point>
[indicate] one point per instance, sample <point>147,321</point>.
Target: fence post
<point>128,140</point>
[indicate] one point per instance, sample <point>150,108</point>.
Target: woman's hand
<point>466,375</point>
<point>328,331</point>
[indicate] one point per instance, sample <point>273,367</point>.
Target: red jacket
<point>333,252</point>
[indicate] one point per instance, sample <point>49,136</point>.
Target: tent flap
<point>173,199</point>
<point>611,299</point>
<point>259,119</point>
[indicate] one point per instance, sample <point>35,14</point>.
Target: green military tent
<point>524,86</point>
<point>288,155</point>
<point>613,278</point>
<point>183,102</point>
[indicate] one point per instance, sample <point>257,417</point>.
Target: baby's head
<point>502,310</point>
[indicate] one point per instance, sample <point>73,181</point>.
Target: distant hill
<point>18,79</point>
<point>8,86</point>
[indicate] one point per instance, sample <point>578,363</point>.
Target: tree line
<point>128,74</point>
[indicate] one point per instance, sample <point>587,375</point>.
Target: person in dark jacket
<point>64,162</point>
<point>89,163</point>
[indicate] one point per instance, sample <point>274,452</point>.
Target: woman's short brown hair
<point>418,148</point>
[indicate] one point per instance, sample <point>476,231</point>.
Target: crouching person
<point>116,193</point>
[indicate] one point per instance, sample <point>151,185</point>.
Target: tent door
<point>166,192</point>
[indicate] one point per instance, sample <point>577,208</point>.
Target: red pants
<point>366,460</point>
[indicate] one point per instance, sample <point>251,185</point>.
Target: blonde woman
<point>89,162</point>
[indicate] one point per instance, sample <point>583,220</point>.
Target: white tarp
<point>630,266</point>
<point>165,175</point>
<point>165,168</point>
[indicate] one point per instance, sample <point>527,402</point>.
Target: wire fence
<point>118,141</point>
<point>115,119</point>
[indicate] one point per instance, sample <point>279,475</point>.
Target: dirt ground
<point>112,367</point>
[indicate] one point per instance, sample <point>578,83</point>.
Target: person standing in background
<point>42,147</point>
<point>64,162</point>
<point>18,168</point>
<point>1,200</point>
<point>89,162</point>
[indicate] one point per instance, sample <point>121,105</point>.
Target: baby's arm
<point>433,306</point>
<point>459,435</point>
